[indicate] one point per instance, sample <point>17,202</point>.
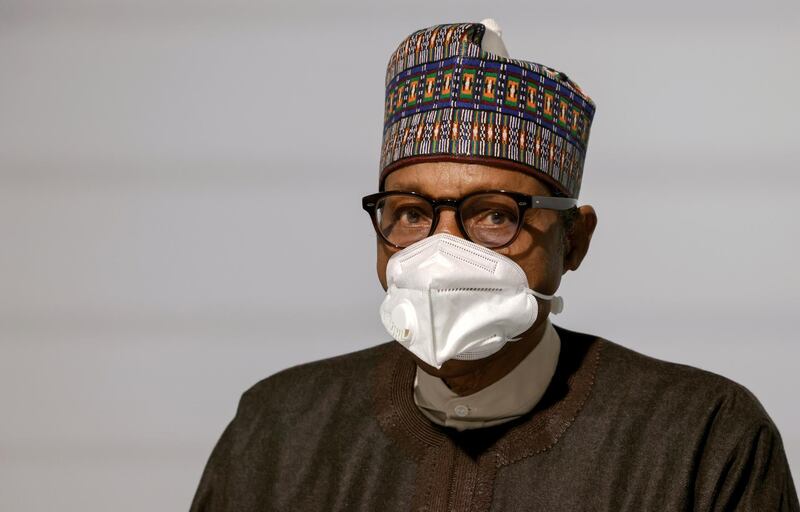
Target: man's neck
<point>494,370</point>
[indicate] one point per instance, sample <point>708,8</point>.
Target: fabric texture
<point>449,99</point>
<point>615,431</point>
<point>513,395</point>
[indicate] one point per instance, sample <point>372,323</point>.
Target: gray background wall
<point>179,210</point>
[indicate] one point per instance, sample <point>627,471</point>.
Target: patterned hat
<point>453,94</point>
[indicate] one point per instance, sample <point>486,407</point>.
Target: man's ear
<point>579,237</point>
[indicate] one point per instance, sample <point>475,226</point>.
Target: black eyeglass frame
<point>524,202</point>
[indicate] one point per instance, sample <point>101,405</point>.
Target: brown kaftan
<point>616,430</point>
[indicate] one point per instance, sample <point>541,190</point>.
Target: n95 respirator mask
<point>448,298</point>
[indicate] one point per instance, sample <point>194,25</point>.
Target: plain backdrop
<point>180,187</point>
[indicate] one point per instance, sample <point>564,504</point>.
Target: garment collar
<point>513,395</point>
<point>392,382</point>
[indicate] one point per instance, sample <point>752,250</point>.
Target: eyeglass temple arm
<point>553,203</point>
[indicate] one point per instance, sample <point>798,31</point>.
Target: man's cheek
<point>542,273</point>
<point>383,255</point>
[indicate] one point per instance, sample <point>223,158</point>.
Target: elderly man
<point>481,403</point>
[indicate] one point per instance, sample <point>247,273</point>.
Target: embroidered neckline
<point>488,448</point>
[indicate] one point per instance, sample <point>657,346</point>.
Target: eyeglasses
<point>490,218</point>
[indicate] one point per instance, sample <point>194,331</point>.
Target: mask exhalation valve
<point>404,321</point>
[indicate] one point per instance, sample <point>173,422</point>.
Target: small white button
<point>462,410</point>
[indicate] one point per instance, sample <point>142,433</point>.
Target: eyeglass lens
<point>489,219</point>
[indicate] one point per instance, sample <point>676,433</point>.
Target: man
<point>482,403</point>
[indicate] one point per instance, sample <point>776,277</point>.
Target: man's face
<point>541,248</point>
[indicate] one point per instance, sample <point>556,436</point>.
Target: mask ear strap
<point>556,302</point>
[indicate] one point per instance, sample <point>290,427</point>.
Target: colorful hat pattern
<point>449,99</point>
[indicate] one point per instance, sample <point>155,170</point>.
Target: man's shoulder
<point>302,384</point>
<point>690,423</point>
<point>688,391</point>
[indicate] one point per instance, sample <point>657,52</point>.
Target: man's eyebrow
<point>406,189</point>
<point>478,190</point>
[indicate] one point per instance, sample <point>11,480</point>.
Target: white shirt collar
<point>510,397</point>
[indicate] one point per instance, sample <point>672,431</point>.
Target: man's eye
<point>491,218</point>
<point>411,216</point>
<point>497,218</point>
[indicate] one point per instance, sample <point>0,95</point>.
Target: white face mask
<point>449,298</point>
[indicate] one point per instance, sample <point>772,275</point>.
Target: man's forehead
<point>455,179</point>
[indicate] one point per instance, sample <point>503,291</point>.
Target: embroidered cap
<point>452,93</point>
